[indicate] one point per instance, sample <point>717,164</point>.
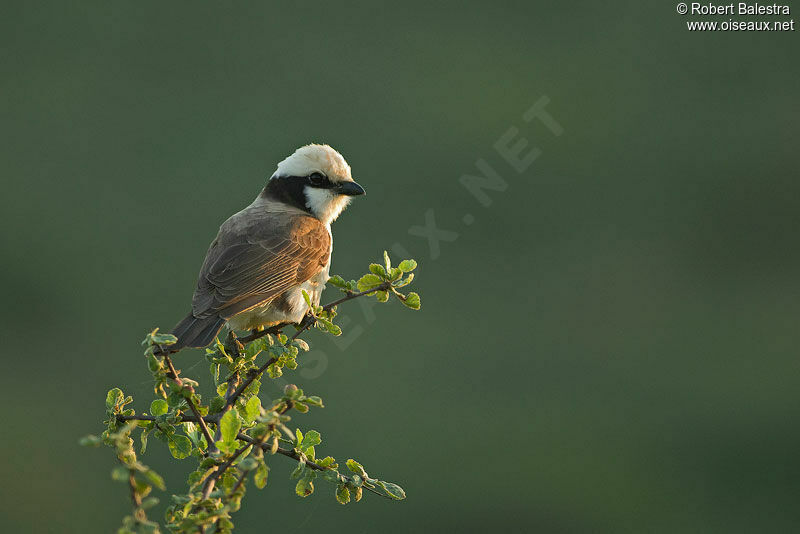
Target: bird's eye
<point>317,178</point>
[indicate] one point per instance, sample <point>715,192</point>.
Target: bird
<point>266,255</point>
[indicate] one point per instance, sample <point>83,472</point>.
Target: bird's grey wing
<point>258,257</point>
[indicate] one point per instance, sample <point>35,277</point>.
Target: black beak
<point>350,189</point>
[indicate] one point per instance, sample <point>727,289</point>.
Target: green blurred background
<point>609,347</point>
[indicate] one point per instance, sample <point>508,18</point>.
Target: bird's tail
<point>194,332</point>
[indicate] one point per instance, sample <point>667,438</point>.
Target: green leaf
<point>334,329</point>
<point>407,265</point>
<point>260,476</point>
<point>155,479</point>
<point>382,296</point>
<point>412,301</point>
<point>217,404</point>
<point>90,441</point>
<point>254,349</point>
<point>227,447</point>
<point>158,407</point>
<point>387,261</point>
<point>153,363</point>
<point>311,439</point>
<point>120,473</point>
<point>149,502</point>
<point>376,269</point>
<point>228,480</point>
<point>244,457</point>
<point>163,339</point>
<point>254,387</point>
<point>114,397</point>
<point>338,281</point>
<point>208,463</point>
<point>253,408</point>
<point>144,441</point>
<point>247,464</point>
<point>405,281</point>
<point>306,298</point>
<point>259,431</point>
<point>356,467</point>
<point>393,490</point>
<point>369,281</point>
<point>328,461</point>
<point>298,471</point>
<point>229,426</point>
<point>305,486</point>
<point>331,475</point>
<point>329,326</point>
<point>313,400</point>
<point>274,371</point>
<point>342,494</point>
<point>180,447</point>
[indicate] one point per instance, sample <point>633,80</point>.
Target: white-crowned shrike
<point>264,256</point>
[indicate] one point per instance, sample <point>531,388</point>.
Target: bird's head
<point>317,179</point>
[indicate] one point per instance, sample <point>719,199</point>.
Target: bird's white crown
<point>312,158</point>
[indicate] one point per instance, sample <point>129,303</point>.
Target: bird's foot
<point>307,322</point>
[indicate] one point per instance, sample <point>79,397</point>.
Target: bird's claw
<point>308,321</point>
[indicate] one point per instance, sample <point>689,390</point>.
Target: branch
<point>208,487</point>
<point>224,467</point>
<point>139,515</point>
<point>211,481</point>
<point>247,381</point>
<point>183,419</point>
<point>232,395</point>
<point>135,497</point>
<point>271,330</point>
<point>303,326</point>
<point>384,286</point>
<point>239,482</point>
<point>179,382</point>
<point>290,453</point>
<point>218,484</point>
<point>293,454</point>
